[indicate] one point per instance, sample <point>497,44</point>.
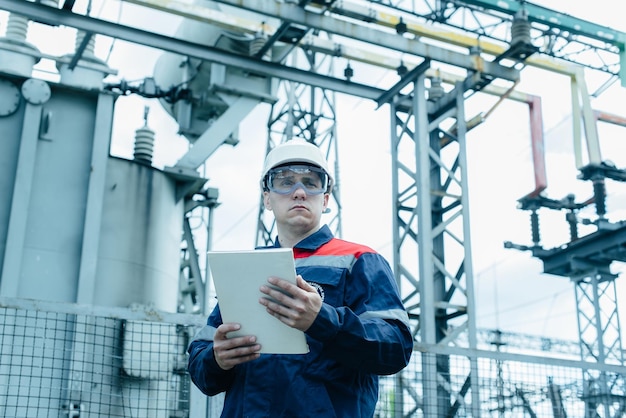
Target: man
<point>345,300</point>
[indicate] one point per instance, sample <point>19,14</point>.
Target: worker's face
<point>297,199</point>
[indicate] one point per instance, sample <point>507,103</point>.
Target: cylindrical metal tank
<point>139,250</point>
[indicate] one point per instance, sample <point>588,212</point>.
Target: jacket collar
<point>313,241</point>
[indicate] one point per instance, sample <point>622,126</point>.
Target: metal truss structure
<point>308,113</point>
<point>552,33</point>
<point>429,184</point>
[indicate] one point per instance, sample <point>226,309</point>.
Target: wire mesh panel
<point>60,361</point>
<point>64,360</point>
<point>510,385</point>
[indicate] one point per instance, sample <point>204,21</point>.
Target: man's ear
<point>266,201</point>
<point>326,199</point>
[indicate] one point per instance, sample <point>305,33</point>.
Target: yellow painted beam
<point>194,11</point>
<point>191,10</point>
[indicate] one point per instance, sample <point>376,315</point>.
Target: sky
<point>512,293</point>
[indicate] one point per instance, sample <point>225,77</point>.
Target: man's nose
<point>299,191</point>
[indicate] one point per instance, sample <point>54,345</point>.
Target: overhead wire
<point>526,304</point>
<point>235,224</point>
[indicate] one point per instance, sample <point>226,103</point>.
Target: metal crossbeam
<point>52,16</point>
<point>559,35</point>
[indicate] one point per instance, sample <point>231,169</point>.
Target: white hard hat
<point>295,151</point>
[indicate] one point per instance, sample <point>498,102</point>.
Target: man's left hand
<point>296,305</point>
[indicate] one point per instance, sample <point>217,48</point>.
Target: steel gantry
<point>586,261</point>
<point>432,247</point>
<point>486,24</point>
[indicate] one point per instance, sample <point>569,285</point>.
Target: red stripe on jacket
<point>334,247</point>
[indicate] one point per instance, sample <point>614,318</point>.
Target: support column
<point>36,93</point>
<point>432,251</point>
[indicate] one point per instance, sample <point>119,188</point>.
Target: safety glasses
<point>286,179</point>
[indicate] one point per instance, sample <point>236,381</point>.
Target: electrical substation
<point>102,275</point>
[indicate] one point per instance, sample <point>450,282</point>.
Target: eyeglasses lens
<point>285,180</point>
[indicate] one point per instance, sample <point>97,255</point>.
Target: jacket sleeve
<point>371,331</point>
<point>203,369</point>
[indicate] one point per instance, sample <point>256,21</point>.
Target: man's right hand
<point>230,352</point>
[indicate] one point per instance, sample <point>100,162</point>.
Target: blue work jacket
<point>361,332</point>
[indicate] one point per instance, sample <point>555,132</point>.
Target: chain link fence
<point>66,360</point>
<point>63,360</point>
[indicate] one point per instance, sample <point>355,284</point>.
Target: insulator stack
<point>436,90</point>
<point>534,227</point>
<point>257,44</point>
<point>89,49</point>
<point>520,29</point>
<point>144,144</point>
<point>17,28</point>
<point>599,193</point>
